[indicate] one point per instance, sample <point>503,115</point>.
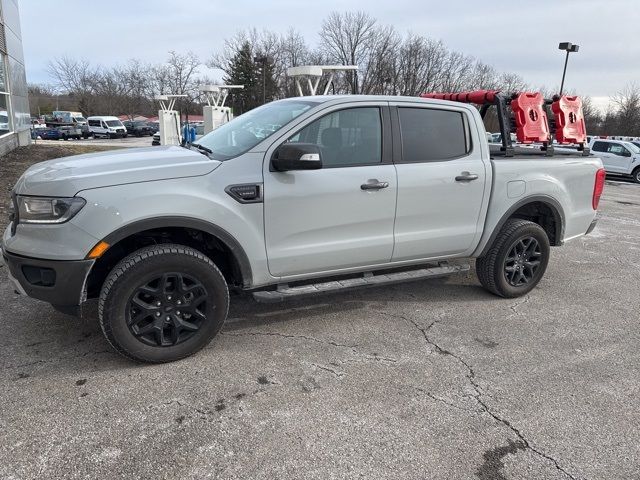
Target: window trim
<point>399,151</point>
<point>386,157</point>
<point>10,120</point>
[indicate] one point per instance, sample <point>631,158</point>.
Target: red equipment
<point>532,124</point>
<point>570,127</point>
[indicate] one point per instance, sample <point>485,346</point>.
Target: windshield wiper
<point>202,148</point>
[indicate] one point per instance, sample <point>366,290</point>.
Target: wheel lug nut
<point>169,297</point>
<point>178,312</point>
<point>158,314</point>
<point>159,304</point>
<point>179,302</point>
<point>168,318</point>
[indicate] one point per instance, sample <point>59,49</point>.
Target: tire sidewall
<point>116,302</point>
<point>529,230</point>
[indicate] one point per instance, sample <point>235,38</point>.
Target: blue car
<point>50,134</point>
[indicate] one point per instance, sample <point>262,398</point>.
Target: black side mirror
<point>296,156</point>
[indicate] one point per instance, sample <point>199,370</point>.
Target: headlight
<point>48,209</point>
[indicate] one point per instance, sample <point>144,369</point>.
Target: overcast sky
<point>520,37</point>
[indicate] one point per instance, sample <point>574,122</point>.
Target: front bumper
<point>61,283</point>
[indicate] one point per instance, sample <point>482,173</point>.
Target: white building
<point>14,104</point>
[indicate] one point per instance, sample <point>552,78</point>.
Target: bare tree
<point>348,39</point>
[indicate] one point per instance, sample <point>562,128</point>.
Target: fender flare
<point>193,223</point>
<point>552,203</point>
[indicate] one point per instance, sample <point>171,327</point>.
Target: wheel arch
<point>544,210</point>
<point>227,242</point>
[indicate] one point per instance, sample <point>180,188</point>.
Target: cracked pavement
<point>428,380</point>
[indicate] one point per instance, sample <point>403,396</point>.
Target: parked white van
<point>618,157</point>
<point>105,126</point>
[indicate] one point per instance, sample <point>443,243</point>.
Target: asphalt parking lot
<point>430,380</point>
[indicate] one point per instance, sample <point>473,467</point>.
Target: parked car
<point>49,133</point>
<point>139,129</point>
<point>104,126</point>
<point>154,126</point>
<point>340,195</point>
<point>618,157</point>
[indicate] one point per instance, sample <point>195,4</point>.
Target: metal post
<point>564,72</point>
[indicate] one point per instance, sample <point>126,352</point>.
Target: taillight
<point>598,187</point>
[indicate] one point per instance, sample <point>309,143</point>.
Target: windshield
<point>246,131</point>
<point>633,147</point>
<point>80,119</point>
<point>114,123</point>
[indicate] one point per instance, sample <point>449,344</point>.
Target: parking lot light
<point>568,47</point>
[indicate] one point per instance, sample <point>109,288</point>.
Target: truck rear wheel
<point>163,303</point>
<point>636,175</point>
<point>516,261</point>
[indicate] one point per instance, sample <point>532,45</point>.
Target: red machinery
<point>527,115</point>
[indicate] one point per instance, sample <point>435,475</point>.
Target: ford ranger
<point>299,196</point>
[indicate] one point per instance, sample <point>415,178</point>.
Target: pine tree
<point>243,72</point>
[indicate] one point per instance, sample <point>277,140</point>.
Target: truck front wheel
<point>163,303</point>
<point>636,175</point>
<point>516,261</point>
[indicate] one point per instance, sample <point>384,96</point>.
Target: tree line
<point>388,61</point>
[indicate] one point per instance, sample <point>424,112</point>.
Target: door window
<point>430,135</point>
<point>599,147</point>
<point>617,149</point>
<point>347,137</point>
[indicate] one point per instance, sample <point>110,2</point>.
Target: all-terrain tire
<point>171,265</point>
<point>492,267</point>
<point>636,175</point>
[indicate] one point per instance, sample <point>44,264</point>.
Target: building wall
<point>13,82</point>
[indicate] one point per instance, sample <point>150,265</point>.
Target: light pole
<point>568,47</point>
<point>263,61</point>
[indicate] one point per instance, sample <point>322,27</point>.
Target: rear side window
<point>599,147</point>
<point>94,123</point>
<point>430,135</point>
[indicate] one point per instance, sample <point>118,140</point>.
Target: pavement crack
<point>515,306</point>
<point>477,391</point>
<point>330,370</point>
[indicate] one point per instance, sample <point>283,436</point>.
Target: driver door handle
<point>466,177</point>
<point>374,184</point>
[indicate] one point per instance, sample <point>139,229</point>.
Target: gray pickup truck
<point>300,196</point>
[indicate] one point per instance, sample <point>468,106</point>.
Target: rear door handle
<point>374,184</point>
<point>466,177</point>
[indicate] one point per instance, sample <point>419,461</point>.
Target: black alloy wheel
<point>168,310</point>
<point>522,261</point>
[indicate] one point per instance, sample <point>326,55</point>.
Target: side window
<point>347,137</point>
<point>430,135</point>
<point>617,149</point>
<point>599,147</point>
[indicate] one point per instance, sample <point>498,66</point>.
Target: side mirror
<point>296,156</point>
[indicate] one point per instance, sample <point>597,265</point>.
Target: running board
<point>284,292</point>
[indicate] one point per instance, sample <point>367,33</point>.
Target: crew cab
<point>618,157</point>
<point>300,196</point>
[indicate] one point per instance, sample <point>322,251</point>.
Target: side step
<point>284,292</point>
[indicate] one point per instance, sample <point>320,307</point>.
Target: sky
<point>513,36</point>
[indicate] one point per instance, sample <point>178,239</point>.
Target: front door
<point>324,220</point>
<point>441,182</point>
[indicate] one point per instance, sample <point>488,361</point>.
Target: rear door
<point>618,158</point>
<point>324,220</point>
<point>441,181</point>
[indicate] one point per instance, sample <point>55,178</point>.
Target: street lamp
<point>568,47</point>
